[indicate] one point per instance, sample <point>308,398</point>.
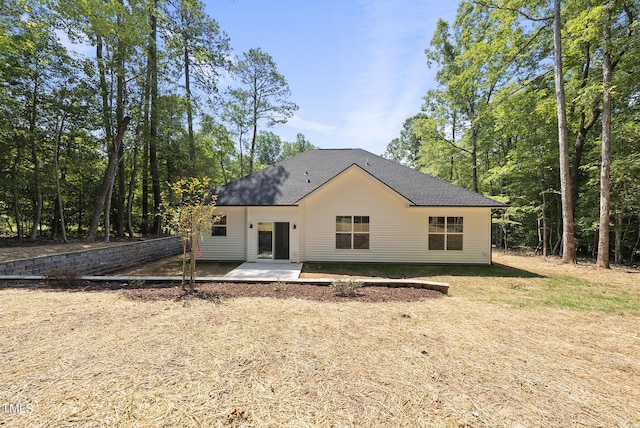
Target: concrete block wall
<point>96,261</point>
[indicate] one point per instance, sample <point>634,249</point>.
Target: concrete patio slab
<point>266,271</point>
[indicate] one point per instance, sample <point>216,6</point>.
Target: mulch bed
<point>217,292</point>
<point>220,291</point>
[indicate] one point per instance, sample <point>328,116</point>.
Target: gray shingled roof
<point>289,181</point>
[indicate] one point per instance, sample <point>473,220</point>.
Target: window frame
<point>219,224</point>
<point>356,228</point>
<point>445,231</point>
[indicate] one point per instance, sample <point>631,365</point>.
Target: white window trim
<point>445,233</point>
<point>225,226</point>
<point>352,233</point>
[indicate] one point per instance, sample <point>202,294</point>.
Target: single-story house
<point>348,205</point>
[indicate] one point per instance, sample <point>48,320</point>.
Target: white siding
<point>288,214</point>
<point>398,232</point>
<point>232,246</point>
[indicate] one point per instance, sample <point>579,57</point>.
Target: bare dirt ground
<point>172,266</point>
<point>531,342</point>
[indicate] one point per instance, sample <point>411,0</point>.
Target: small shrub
<point>280,286</point>
<point>345,288</point>
<point>65,278</point>
<point>136,283</point>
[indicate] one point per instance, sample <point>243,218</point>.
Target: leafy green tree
<point>237,114</point>
<point>34,66</point>
<point>476,56</point>
<point>619,31</point>
<point>405,149</point>
<point>497,52</point>
<point>190,214</point>
<point>218,144</point>
<point>290,149</point>
<point>269,148</point>
<point>263,95</point>
<point>568,238</point>
<point>115,30</point>
<point>198,48</point>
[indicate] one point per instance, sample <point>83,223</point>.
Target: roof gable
<point>291,180</point>
<point>355,167</point>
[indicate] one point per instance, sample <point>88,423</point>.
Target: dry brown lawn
<point>519,350</point>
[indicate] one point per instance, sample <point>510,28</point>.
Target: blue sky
<point>356,68</point>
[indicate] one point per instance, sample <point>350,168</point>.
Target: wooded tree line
<point>91,143</point>
<point>549,125</point>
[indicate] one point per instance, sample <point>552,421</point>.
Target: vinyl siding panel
<point>232,246</point>
<point>398,231</point>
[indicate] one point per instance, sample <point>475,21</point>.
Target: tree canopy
<point>90,145</point>
<point>492,123</point>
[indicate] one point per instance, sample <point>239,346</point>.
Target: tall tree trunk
<point>145,189</point>
<point>474,157</point>
<point>241,155</point>
<point>107,211</point>
<point>121,195</point>
<point>583,129</point>
<point>107,183</point>
<point>192,261</point>
<point>132,187</point>
<point>145,148</point>
<point>636,245</point>
<point>187,85</point>
<point>153,125</point>
<point>557,247</point>
<point>60,205</point>
<point>120,104</point>
<point>113,157</point>
<point>543,214</point>
<point>224,172</point>
<point>545,232</point>
<point>33,114</point>
<point>253,140</point>
<point>605,168</point>
<point>568,239</point>
<point>16,191</point>
<point>619,238</point>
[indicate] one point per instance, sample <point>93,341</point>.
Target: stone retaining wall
<point>95,261</point>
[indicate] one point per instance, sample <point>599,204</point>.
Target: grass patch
<point>576,293</point>
<point>401,271</point>
<point>514,280</point>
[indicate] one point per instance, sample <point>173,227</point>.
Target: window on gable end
<point>352,232</point>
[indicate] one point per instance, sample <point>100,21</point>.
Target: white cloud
<point>309,125</point>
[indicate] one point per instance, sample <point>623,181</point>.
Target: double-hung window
<point>219,227</point>
<point>446,233</point>
<point>352,232</point>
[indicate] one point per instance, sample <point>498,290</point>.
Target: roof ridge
<point>290,180</point>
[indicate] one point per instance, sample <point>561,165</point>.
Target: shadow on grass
<point>400,271</point>
<point>85,286</point>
